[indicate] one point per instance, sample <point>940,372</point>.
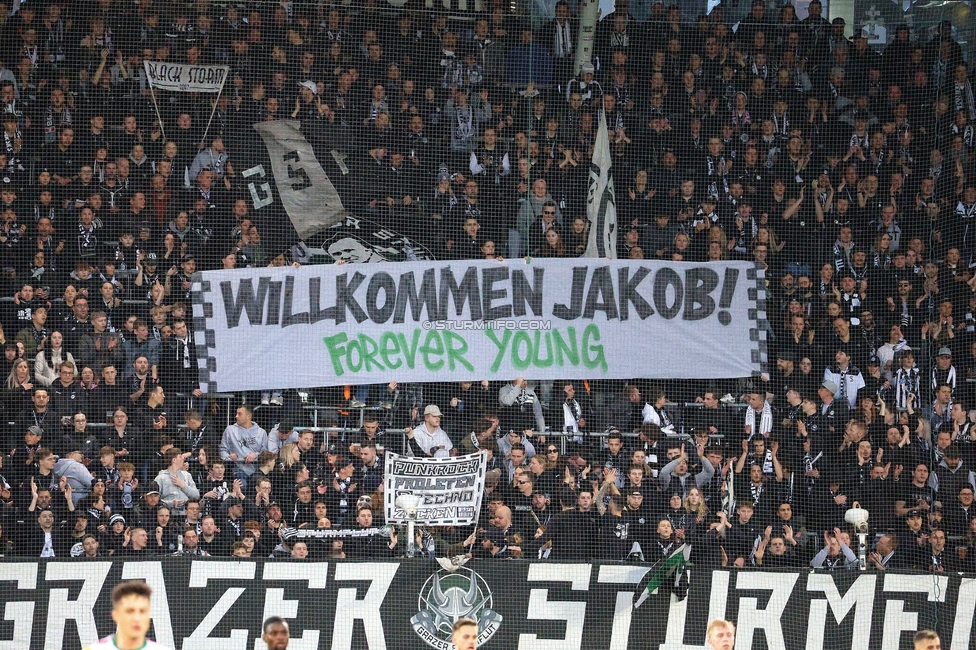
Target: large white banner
<point>450,5</point>
<point>325,325</point>
<point>186,78</point>
<point>450,488</point>
<point>306,192</point>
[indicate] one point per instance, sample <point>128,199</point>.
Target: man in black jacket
<point>913,536</point>
<point>178,370</point>
<point>569,414</point>
<point>959,512</point>
<point>938,559</point>
<point>211,541</point>
<point>38,415</point>
<point>886,554</point>
<point>40,538</point>
<point>573,534</point>
<point>367,547</point>
<point>198,433</point>
<point>304,509</point>
<point>232,529</point>
<point>740,539</point>
<point>67,397</point>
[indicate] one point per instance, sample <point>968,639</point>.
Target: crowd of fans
<point>847,173</point>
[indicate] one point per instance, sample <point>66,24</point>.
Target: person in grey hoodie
<point>176,485</point>
<point>683,481</point>
<point>523,409</point>
<point>513,437</point>
<point>242,442</point>
<point>464,118</point>
<point>79,478</point>
<point>530,212</point>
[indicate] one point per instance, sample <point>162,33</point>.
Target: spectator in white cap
<point>308,105</point>
<point>589,88</point>
<point>429,439</point>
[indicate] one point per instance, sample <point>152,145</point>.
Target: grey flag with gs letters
<point>306,193</point>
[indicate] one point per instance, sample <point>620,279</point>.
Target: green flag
<point>658,574</point>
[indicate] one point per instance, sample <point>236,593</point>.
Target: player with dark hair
<point>275,633</point>
<point>130,611</point>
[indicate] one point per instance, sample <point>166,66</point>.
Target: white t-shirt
<point>108,643</point>
<point>48,550</point>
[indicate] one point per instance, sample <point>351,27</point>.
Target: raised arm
<point>777,466</point>
<point>740,463</point>
<point>664,476</point>
<point>708,471</point>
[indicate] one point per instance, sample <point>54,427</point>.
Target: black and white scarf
<point>782,124</point>
<point>964,435</point>
<point>949,379</point>
<point>906,155</point>
<point>756,491</point>
<point>907,383</point>
<point>863,141</point>
<point>524,397</point>
<point>716,165</point>
<point>619,40</point>
<point>126,495</point>
<point>963,99</point>
<point>879,159</point>
<point>471,210</point>
<point>966,134</point>
<point>831,563</point>
<point>761,425</point>
<point>563,46</point>
<point>87,240</point>
<point>53,121</point>
<point>766,461</point>
<point>10,143</point>
<point>709,219</point>
<point>465,123</point>
<point>748,229</point>
<point>716,168</point>
<point>826,289</point>
<point>741,120</point>
<point>48,211</point>
<point>810,461</point>
<point>55,42</point>
<point>666,549</point>
<point>237,525</point>
<point>575,410</point>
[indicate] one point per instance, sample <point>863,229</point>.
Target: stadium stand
<point>843,169</point>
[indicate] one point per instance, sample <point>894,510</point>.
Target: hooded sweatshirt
<point>241,441</point>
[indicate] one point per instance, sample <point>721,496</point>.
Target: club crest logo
<point>449,596</point>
